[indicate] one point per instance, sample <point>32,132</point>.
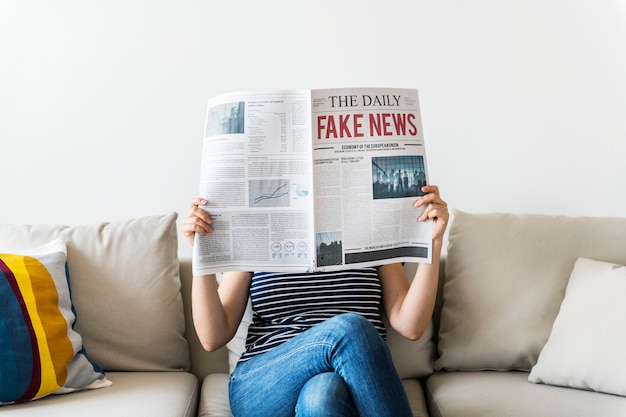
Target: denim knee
<point>325,395</point>
<point>352,324</point>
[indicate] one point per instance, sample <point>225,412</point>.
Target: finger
<point>197,220</point>
<point>198,201</point>
<point>435,210</point>
<point>429,198</point>
<point>435,214</point>
<point>193,225</point>
<point>428,189</point>
<point>428,215</point>
<point>201,213</point>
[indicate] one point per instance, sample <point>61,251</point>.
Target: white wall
<point>102,103</point>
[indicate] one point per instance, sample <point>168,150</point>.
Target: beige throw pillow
<point>125,288</point>
<point>587,345</point>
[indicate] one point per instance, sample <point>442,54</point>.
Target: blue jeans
<point>341,367</point>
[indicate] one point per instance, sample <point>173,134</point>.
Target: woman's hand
<point>197,220</point>
<point>435,209</point>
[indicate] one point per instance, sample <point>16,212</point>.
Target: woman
<point>315,346</point>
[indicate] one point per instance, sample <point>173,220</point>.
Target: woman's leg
<point>325,395</point>
<point>270,384</point>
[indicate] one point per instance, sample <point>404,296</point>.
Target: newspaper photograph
<point>305,180</point>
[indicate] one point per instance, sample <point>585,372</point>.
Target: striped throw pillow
<point>40,352</point>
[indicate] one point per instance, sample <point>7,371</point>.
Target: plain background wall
<point>102,103</point>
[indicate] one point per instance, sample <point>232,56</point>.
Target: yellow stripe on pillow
<point>49,325</point>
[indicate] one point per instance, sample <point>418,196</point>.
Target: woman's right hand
<point>197,220</point>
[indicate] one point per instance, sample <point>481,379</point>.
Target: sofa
<point>529,321</point>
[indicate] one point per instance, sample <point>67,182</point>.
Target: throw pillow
<point>505,279</point>
<point>40,352</point>
<point>126,286</point>
<point>587,343</point>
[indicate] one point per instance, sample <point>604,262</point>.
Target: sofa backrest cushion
<point>125,287</point>
<point>506,276</point>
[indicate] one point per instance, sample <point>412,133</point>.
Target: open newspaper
<point>306,180</point>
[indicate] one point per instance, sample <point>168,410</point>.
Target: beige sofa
<point>502,287</point>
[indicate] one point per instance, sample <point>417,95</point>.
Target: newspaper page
<point>369,164</point>
<point>256,176</point>
<point>303,180</point>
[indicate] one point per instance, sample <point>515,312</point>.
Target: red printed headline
<point>358,125</point>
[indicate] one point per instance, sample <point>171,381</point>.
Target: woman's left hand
<point>435,209</point>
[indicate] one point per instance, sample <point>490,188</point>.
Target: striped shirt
<point>286,304</point>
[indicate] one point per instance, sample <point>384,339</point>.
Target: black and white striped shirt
<point>286,304</point>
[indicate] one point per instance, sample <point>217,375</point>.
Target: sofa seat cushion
<point>214,396</point>
<point>133,394</point>
<point>501,394</point>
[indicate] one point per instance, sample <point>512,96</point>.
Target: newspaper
<point>306,180</point>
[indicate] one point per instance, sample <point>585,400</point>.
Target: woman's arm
<point>409,307</point>
<point>216,310</point>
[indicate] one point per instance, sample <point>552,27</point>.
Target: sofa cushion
<point>498,394</point>
<point>587,343</point>
<point>505,279</point>
<point>214,400</point>
<point>125,287</point>
<point>412,359</point>
<point>133,394</point>
<point>40,352</point>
